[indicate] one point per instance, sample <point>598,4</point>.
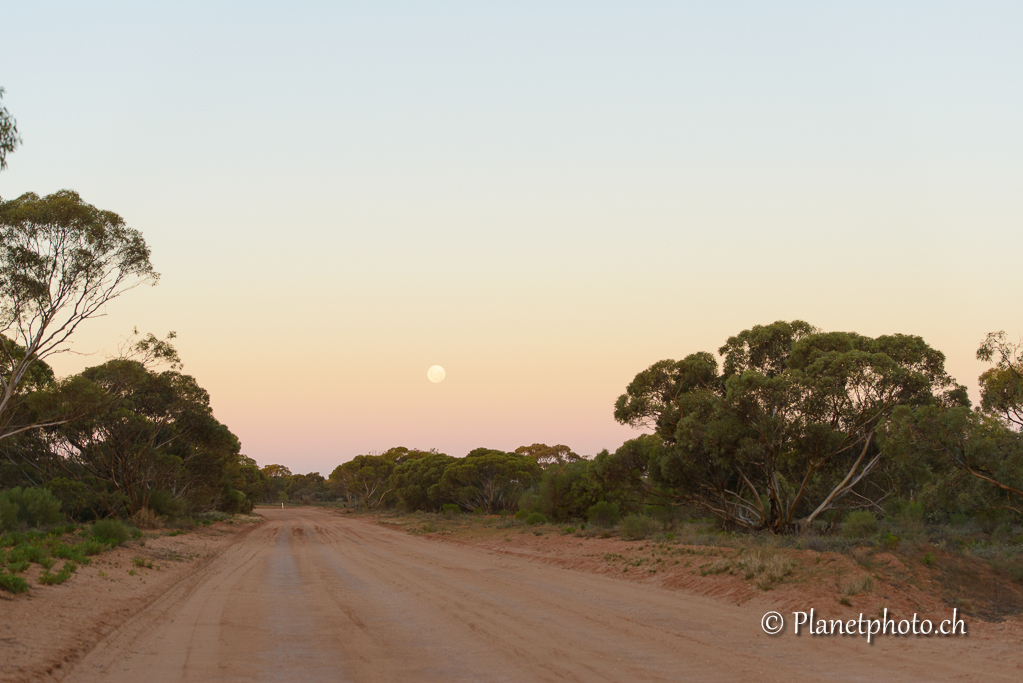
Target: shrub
<point>638,527</point>
<point>603,514</point>
<point>8,514</point>
<point>60,577</point>
<point>890,541</point>
<point>91,547</point>
<point>521,515</point>
<point>959,519</point>
<point>534,518</point>
<point>110,531</point>
<point>35,507</point>
<point>859,524</point>
<point>236,503</point>
<point>449,510</point>
<point>13,584</point>
<point>146,519</point>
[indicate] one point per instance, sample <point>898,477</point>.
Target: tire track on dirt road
<point>316,596</point>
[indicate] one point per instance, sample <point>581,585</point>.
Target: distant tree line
<point>793,427</point>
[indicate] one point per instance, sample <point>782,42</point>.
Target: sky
<point>544,198</point>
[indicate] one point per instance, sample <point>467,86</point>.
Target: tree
<point>155,431</point>
<point>416,482</point>
<point>1001,387</point>
<point>786,430</point>
<point>61,262</point>
<point>971,460</point>
<point>366,478</point>
<point>986,445</point>
<point>488,479</point>
<point>549,455</point>
<point>9,138</point>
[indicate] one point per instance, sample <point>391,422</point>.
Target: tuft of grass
<point>764,566</point>
<point>864,584</point>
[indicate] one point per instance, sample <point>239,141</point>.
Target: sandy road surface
<point>315,596</point>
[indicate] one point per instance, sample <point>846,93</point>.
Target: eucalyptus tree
<point>488,479</point>
<point>546,456</point>
<point>785,430</point>
<point>9,137</point>
<point>416,482</point>
<point>366,479</point>
<point>153,431</point>
<point>61,262</point>
<point>1001,387</point>
<point>976,457</point>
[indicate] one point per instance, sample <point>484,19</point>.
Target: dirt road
<point>316,596</point>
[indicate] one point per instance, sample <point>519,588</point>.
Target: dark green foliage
<point>488,479</point>
<point>34,507</point>
<point>416,482</point>
<point>13,584</point>
<point>637,527</point>
<point>60,577</point>
<point>534,518</point>
<point>9,138</point>
<point>603,514</point>
<point>450,510</point>
<point>366,479</point>
<point>566,491</point>
<point>860,524</point>
<point>74,496</point>
<point>8,514</point>
<point>236,503</point>
<point>785,431</point>
<point>110,531</point>
<point>164,504</point>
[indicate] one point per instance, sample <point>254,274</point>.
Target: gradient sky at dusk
<point>542,197</point>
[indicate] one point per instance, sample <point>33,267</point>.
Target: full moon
<point>436,374</point>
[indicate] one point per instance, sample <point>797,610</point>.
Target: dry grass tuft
<point>146,519</point>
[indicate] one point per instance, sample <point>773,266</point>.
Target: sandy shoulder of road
<point>991,605</point>
<point>45,631</point>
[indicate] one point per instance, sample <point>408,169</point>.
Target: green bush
<point>521,515</point>
<point>164,504</point>
<point>638,527</point>
<point>8,515</point>
<point>110,531</point>
<point>859,524</point>
<point>450,510</point>
<point>534,518</point>
<point>236,503</point>
<point>60,577</point>
<point>35,507</point>
<point>603,514</point>
<point>13,584</point>
<point>958,519</point>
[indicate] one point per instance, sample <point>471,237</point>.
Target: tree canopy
<point>786,430</point>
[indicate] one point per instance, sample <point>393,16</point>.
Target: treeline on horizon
<point>794,428</point>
